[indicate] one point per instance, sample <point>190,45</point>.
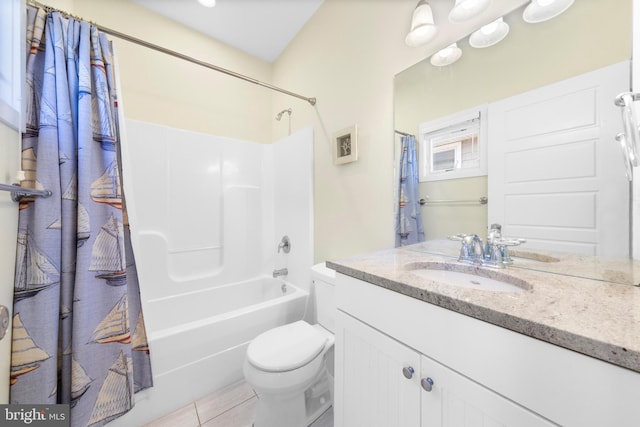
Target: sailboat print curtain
<point>409,227</point>
<point>78,330</point>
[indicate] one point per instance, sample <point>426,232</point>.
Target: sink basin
<point>443,274</point>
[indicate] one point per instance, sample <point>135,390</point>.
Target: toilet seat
<point>286,348</point>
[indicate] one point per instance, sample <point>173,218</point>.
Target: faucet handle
<point>495,255</point>
<point>471,248</point>
<point>503,244</point>
<point>465,251</point>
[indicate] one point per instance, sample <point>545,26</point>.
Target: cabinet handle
<point>408,372</point>
<point>427,384</point>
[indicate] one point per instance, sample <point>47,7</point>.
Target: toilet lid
<point>286,347</point>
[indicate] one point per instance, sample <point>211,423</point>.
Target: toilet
<point>290,367</point>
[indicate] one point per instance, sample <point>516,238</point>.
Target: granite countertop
<point>595,317</point>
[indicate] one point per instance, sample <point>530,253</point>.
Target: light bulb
<point>489,28</point>
<point>207,3</point>
<point>543,10</point>
<point>446,56</point>
<point>445,53</point>
<point>423,29</point>
<point>467,9</point>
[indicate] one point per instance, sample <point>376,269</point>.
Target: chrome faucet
<point>494,253</point>
<point>280,272</point>
<point>472,251</point>
<point>493,249</point>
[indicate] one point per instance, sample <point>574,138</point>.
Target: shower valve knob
<point>285,245</point>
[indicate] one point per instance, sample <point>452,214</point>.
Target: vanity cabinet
<point>385,383</point>
<point>456,401</point>
<point>482,375</point>
<point>371,387</point>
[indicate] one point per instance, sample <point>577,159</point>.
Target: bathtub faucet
<point>280,272</point>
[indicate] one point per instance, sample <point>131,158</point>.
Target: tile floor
<point>234,406</point>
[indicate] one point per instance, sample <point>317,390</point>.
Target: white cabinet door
<point>456,401</point>
<point>371,389</point>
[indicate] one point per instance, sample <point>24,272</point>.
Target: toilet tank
<point>323,282</point>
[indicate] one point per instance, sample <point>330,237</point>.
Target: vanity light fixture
<point>446,56</point>
<point>543,10</point>
<point>423,29</point>
<point>207,3</point>
<point>467,9</point>
<point>489,34</point>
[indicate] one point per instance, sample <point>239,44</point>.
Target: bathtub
<point>221,318</point>
<point>201,348</point>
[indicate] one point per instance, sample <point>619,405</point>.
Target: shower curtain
<point>409,227</point>
<point>78,330</point>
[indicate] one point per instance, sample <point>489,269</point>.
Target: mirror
<point>531,56</point>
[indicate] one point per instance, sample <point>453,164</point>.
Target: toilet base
<point>318,398</point>
<point>295,409</point>
<point>280,411</point>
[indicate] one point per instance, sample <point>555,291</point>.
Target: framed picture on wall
<point>345,145</point>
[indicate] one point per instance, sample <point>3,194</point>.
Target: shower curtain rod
<point>170,52</point>
<point>403,133</point>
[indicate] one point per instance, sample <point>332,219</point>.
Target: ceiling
<point>264,28</point>
<point>261,28</point>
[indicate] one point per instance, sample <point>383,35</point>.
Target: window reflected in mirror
<point>453,146</point>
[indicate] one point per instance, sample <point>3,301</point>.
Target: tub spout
<point>280,272</point>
